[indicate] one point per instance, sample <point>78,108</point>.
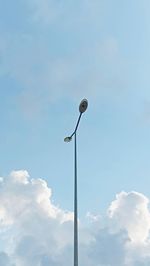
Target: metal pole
<point>82,108</point>
<point>75,205</point>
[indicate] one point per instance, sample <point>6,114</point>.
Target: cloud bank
<point>36,232</point>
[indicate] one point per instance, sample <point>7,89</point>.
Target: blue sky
<point>105,59</point>
<point>53,54</point>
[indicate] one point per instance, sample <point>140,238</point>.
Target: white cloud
<point>20,176</point>
<point>33,231</point>
<point>130,211</point>
<point>36,228</point>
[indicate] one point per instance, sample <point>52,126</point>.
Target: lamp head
<point>67,139</point>
<point>83,106</point>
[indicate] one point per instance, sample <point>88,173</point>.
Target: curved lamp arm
<point>82,108</point>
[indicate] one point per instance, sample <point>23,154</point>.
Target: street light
<point>82,108</point>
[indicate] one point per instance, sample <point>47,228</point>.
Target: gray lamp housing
<point>83,106</point>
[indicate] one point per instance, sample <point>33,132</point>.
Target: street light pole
<point>75,204</point>
<point>82,108</point>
